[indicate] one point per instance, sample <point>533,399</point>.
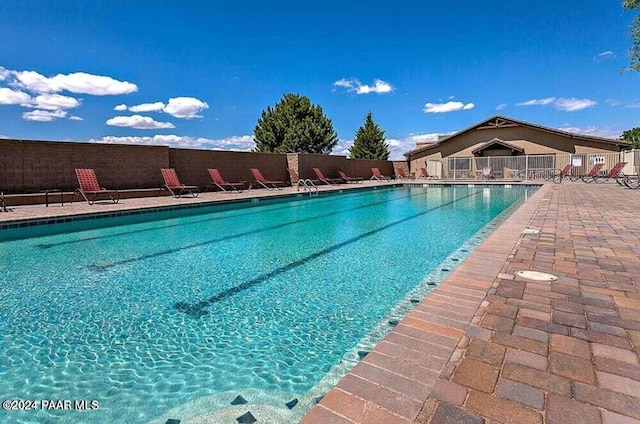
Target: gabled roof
<point>499,121</point>
<point>495,141</point>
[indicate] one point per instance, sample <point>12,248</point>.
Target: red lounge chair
<point>90,189</point>
<point>615,173</point>
<point>172,183</point>
<point>593,173</point>
<point>557,178</point>
<point>347,179</point>
<point>403,175</point>
<point>268,184</point>
<point>329,181</point>
<point>425,174</point>
<point>378,176</point>
<point>219,182</point>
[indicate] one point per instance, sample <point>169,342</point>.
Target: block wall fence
<point>28,166</point>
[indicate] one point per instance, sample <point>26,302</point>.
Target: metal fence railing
<point>530,166</point>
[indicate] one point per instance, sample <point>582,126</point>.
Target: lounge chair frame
<point>591,176</point>
<point>261,180</point>
<point>221,183</point>
<point>174,186</point>
<point>378,176</point>
<point>615,173</point>
<point>347,179</point>
<point>90,189</point>
<point>557,178</point>
<point>328,181</point>
<point>403,176</point>
<point>425,174</point>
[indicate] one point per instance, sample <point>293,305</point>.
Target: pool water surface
<point>259,302</point>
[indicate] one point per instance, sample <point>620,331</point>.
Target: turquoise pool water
<point>260,301</point>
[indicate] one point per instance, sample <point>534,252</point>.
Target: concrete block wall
<point>31,166</point>
<point>191,165</point>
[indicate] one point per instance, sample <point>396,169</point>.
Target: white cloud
<point>633,105</point>
<point>612,102</point>
<point>76,118</point>
<point>354,85</point>
<point>44,115</point>
<point>572,104</point>
<point>13,97</point>
<point>4,73</point>
<point>450,106</point>
<point>538,102</point>
<point>138,122</point>
<point>78,82</point>
<point>54,102</point>
<point>501,106</point>
<point>120,108</point>
<point>594,131</point>
<point>185,107</point>
<point>243,143</point>
<point>606,55</point>
<point>565,104</point>
<point>147,107</point>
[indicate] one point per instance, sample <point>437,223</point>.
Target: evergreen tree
<point>369,141</point>
<point>294,125</point>
<point>634,51</point>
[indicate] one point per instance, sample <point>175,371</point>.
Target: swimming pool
<point>180,316</point>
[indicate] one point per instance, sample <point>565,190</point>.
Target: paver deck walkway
<point>488,346</point>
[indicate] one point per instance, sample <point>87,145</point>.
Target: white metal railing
<point>530,166</point>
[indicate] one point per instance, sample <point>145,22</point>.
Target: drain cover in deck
<point>536,275</point>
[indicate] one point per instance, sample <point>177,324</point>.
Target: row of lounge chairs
<point>593,176</point>
<point>92,191</point>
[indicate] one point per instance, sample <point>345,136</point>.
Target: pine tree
<point>369,142</point>
<point>294,125</point>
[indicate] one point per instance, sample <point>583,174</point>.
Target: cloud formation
<point>501,106</point>
<point>77,83</point>
<point>185,107</point>
<point>565,104</point>
<point>606,55</point>
<point>44,115</point>
<point>242,143</point>
<point>450,106</point>
<point>139,122</point>
<point>594,131</point>
<point>13,97</point>
<point>178,107</point>
<point>354,85</point>
<point>33,90</point>
<point>54,102</point>
<point>147,107</point>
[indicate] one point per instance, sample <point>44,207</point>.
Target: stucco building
<point>505,139</point>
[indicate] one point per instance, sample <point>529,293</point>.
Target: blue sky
<point>198,74</point>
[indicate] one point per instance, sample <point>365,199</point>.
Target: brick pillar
<point>292,163</point>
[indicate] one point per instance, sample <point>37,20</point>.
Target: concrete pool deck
<point>486,345</point>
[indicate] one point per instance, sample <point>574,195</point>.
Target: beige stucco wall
<point>532,140</point>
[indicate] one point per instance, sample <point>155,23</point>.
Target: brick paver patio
<point>489,346</point>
